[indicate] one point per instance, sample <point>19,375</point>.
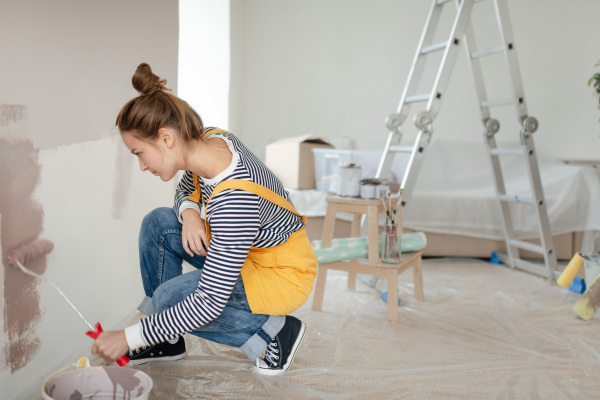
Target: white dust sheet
<point>484,332</point>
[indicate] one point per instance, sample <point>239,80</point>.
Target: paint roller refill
<point>589,302</point>
<point>39,248</point>
<point>570,271</point>
<point>29,251</point>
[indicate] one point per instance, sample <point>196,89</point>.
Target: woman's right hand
<point>193,233</point>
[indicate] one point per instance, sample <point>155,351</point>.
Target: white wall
<point>68,64</point>
<point>337,68</point>
<point>204,59</point>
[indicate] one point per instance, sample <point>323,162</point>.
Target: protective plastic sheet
<point>455,193</point>
<point>484,332</point>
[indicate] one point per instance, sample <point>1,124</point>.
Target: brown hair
<point>156,108</point>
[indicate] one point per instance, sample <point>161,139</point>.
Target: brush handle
<point>123,361</point>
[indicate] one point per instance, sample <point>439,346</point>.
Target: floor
<point>485,331</point>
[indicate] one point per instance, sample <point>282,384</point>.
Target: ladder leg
<point>541,208</point>
<point>507,225</point>
<point>417,156</point>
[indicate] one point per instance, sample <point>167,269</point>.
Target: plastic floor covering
<point>485,331</point>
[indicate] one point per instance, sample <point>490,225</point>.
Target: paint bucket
<point>367,191</point>
<point>98,383</point>
<point>382,191</point>
<point>349,180</point>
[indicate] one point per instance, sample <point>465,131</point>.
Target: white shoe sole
<point>156,359</point>
<point>288,364</point>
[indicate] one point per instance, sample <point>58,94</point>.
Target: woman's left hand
<point>110,345</point>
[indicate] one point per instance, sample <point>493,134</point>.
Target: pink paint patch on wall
<point>11,113</point>
<point>22,221</point>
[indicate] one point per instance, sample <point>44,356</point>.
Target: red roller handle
<point>123,361</point>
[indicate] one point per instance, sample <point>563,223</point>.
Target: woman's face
<point>154,156</point>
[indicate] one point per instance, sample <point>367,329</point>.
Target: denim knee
<point>163,299</point>
<point>153,222</point>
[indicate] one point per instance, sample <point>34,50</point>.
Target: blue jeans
<point>161,258</point>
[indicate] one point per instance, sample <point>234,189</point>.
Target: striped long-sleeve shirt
<point>238,220</point>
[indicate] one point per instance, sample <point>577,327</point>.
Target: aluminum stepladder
<point>462,33</point>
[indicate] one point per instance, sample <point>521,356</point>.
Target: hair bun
<point>145,81</point>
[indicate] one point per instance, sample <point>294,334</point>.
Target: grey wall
<point>65,175</point>
<point>337,68</point>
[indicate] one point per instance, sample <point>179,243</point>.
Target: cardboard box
<point>291,160</point>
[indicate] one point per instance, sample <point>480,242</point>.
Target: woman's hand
<point>193,233</point>
<point>110,345</point>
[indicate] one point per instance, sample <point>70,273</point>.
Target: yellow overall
<point>277,279</point>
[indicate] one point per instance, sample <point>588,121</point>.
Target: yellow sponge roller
<point>588,303</point>
<point>571,271</point>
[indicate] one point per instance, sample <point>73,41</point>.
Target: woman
<point>254,263</point>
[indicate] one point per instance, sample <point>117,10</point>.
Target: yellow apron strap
<point>195,196</point>
<point>258,190</point>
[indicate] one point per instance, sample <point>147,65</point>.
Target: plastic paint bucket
<point>98,383</point>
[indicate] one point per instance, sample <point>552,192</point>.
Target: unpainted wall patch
<point>22,221</point>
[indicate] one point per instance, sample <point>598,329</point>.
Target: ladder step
<point>416,98</point>
<point>533,268</point>
<point>507,152</point>
<point>527,246</point>
<point>483,53</point>
<point>439,2</point>
<point>434,47</point>
<point>526,265</point>
<point>516,199</point>
<point>494,103</point>
<point>401,149</point>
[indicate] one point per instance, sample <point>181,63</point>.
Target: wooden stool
<point>372,266</point>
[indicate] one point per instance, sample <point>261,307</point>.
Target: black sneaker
<point>159,352</point>
<point>281,350</point>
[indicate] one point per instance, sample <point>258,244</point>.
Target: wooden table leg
<point>373,235</point>
<point>328,224</point>
<point>319,287</point>
<point>392,286</point>
<point>418,279</point>
<point>354,232</point>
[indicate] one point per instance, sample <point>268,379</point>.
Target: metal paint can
<point>367,191</point>
<point>382,191</point>
<point>349,180</point>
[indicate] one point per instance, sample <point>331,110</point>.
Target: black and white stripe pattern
<point>238,220</point>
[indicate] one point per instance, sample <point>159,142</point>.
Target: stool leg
<point>351,280</point>
<point>418,279</point>
<point>373,234</point>
<point>354,232</point>
<point>319,287</point>
<point>392,286</point>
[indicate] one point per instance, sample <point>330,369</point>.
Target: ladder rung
<point>434,47</point>
<point>525,265</point>
<point>527,246</point>
<point>401,149</point>
<point>443,1</point>
<point>534,268</point>
<point>507,152</point>
<point>516,199</point>
<point>416,98</point>
<point>501,102</point>
<point>483,53</point>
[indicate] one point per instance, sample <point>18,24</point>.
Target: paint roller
<point>570,271</point>
<point>39,248</point>
<point>589,302</point>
